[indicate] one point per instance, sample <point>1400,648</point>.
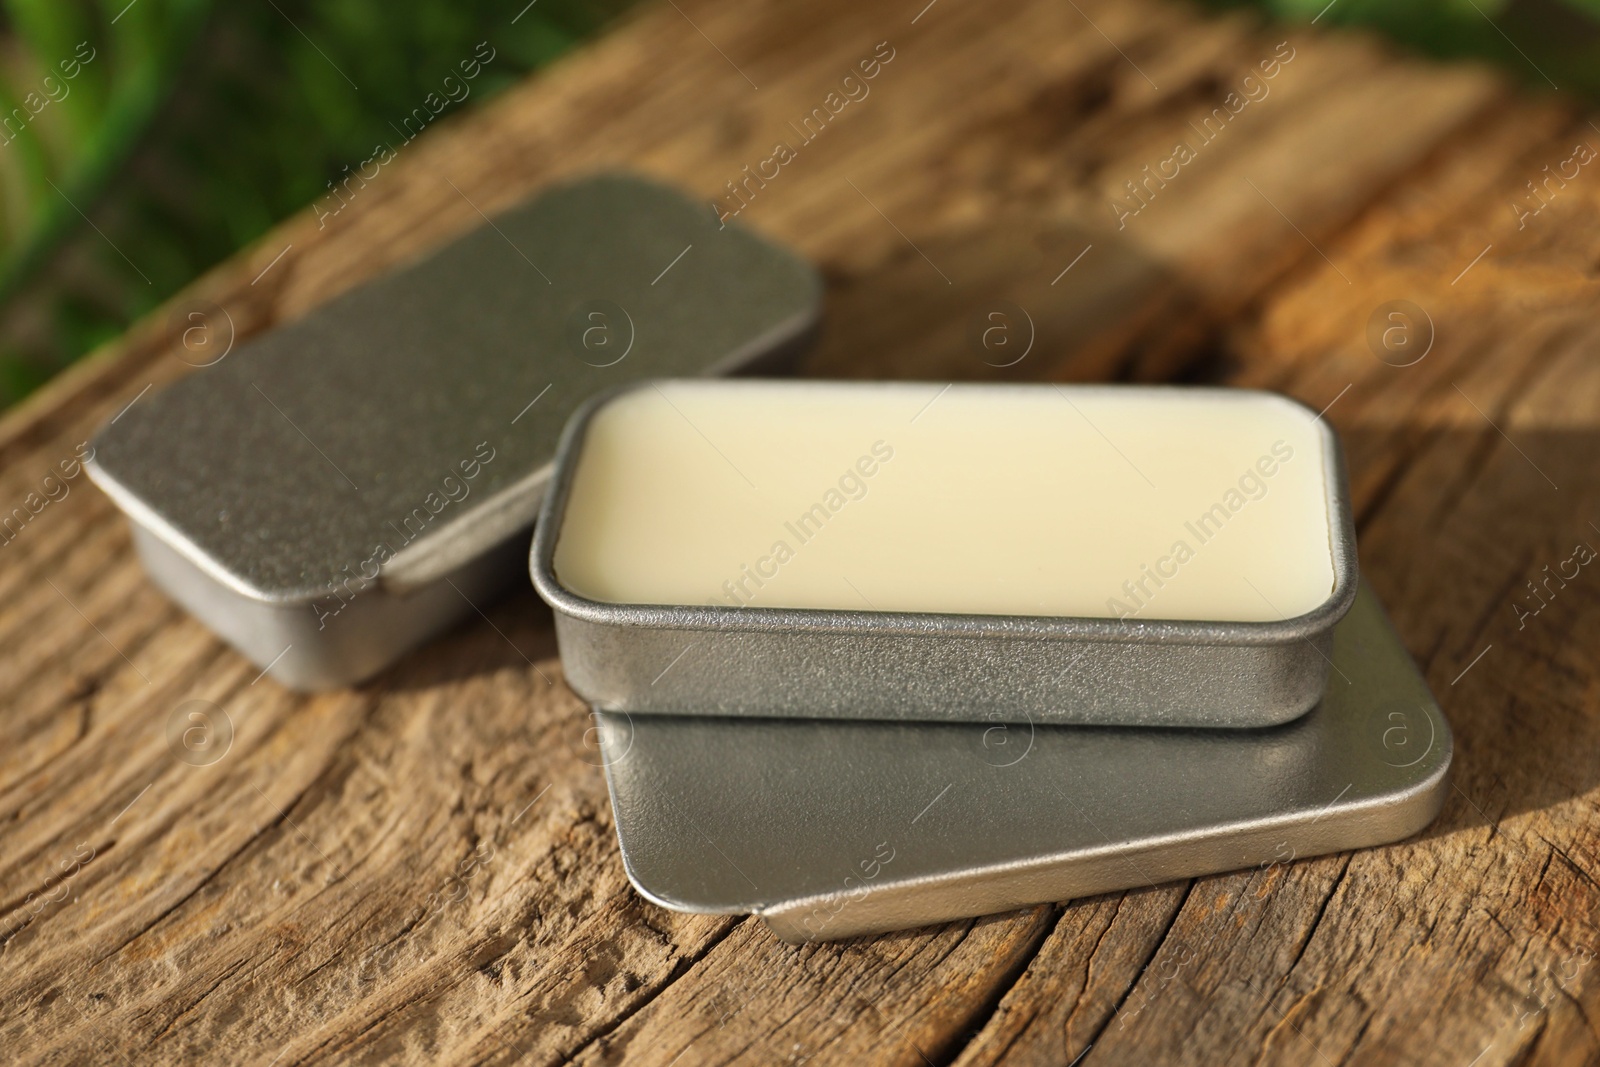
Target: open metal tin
<point>834,829</point>
<point>712,659</point>
<point>339,490</point>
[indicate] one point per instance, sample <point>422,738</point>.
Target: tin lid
<point>409,425</point>
<point>831,829</point>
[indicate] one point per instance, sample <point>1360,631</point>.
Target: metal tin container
<point>340,490</point>
<point>814,663</point>
<point>835,829</point>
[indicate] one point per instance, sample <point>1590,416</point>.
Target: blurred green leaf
<point>1543,43</point>
<point>198,125</point>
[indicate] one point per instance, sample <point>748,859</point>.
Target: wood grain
<point>424,869</point>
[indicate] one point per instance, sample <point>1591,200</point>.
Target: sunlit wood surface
<point>424,869</point>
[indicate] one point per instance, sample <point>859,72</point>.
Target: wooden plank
<point>424,868</point>
<point>1476,939</point>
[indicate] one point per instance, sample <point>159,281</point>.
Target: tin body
<point>345,487</point>
<point>836,829</point>
<point>813,663</point>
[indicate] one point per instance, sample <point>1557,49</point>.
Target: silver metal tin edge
<point>808,663</point>
<point>365,636</point>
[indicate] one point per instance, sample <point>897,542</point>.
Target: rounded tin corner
<point>547,525</point>
<point>138,511</point>
<point>666,900</point>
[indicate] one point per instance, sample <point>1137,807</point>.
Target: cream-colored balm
<point>1081,501</point>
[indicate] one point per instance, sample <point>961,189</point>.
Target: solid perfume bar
<point>978,500</point>
<point>1103,554</point>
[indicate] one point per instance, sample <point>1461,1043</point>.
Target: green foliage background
<point>198,124</point>
<point>1545,43</point>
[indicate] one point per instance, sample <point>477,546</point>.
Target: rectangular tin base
<point>346,642</point>
<point>830,829</point>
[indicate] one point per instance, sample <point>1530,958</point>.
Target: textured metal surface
<point>833,829</point>
<point>806,663</point>
<point>362,639</point>
<point>305,461</point>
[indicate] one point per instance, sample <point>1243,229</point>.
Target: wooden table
<point>424,868</point>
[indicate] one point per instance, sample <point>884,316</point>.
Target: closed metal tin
<point>811,663</point>
<point>835,829</point>
<point>345,487</point>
